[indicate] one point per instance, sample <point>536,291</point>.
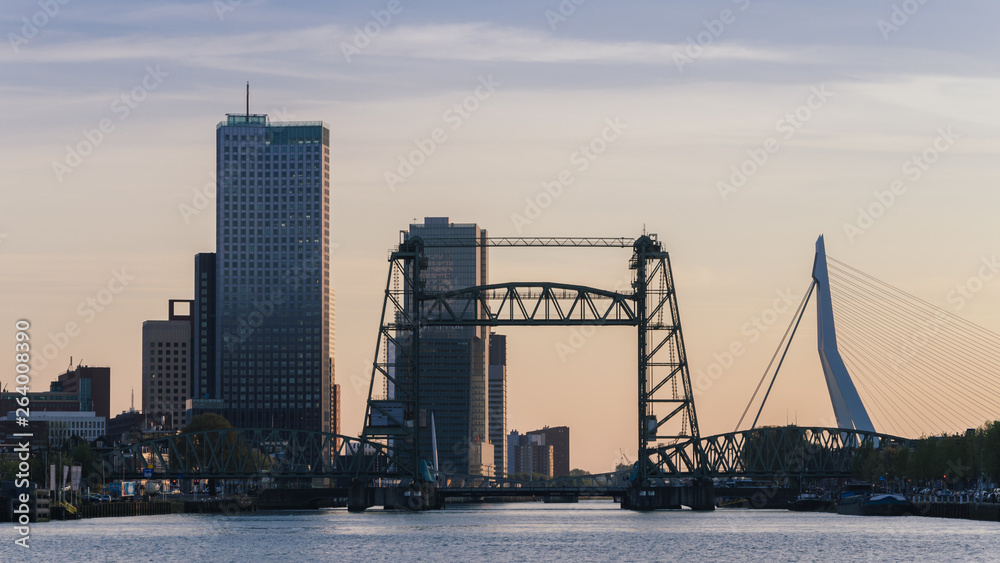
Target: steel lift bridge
<point>666,416</point>
<point>387,466</point>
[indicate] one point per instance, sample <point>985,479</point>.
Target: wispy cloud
<point>467,41</point>
<point>484,42</point>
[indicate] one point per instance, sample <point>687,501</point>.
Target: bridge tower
<point>393,412</point>
<point>847,405</point>
<point>666,399</point>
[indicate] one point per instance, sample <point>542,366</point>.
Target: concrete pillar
<point>357,497</point>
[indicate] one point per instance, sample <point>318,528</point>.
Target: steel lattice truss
<point>252,453</point>
<point>774,453</point>
<point>666,400</point>
<point>666,414</point>
<point>582,242</point>
<point>520,304</point>
<point>396,364</point>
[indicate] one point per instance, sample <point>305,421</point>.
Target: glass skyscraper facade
<point>274,359</point>
<point>497,391</point>
<point>453,360</point>
<point>204,384</point>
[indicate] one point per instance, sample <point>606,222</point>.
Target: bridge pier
<point>699,495</point>
<point>359,497</point>
<point>416,497</point>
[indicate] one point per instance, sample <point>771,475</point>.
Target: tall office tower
<point>206,390</point>
<point>453,360</point>
<point>204,384</point>
<point>273,299</point>
<point>497,386</point>
<point>166,368</point>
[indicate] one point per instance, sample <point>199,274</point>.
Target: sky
<point>738,131</point>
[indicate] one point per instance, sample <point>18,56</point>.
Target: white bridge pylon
<point>847,405</point>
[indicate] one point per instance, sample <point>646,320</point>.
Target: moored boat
<point>811,502</point>
<point>886,504</point>
<point>889,504</point>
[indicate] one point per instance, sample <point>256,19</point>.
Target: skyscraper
<point>166,368</point>
<point>204,384</point>
<point>497,390</point>
<point>206,388</point>
<point>274,358</point>
<point>453,360</point>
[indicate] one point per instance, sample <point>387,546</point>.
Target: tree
<point>8,469</point>
<point>901,462</point>
<point>207,421</point>
<point>991,450</point>
<point>202,423</point>
<point>86,457</point>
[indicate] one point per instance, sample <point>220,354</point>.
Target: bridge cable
<point>849,350</point>
<point>801,310</point>
<point>919,368</point>
<point>915,298</point>
<point>942,317</point>
<point>801,306</point>
<point>922,371</point>
<point>934,357</point>
<point>891,318</point>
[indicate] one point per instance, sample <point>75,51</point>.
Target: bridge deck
<point>530,491</point>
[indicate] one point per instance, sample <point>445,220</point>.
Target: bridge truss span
<point>774,453</point>
<point>250,453</point>
<point>525,304</point>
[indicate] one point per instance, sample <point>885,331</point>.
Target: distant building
<point>83,388</point>
<point>38,429</point>
<point>558,438</point>
<point>453,360</point>
<point>43,401</point>
<point>64,425</point>
<point>205,384</point>
<point>121,428</point>
<point>206,387</point>
<point>497,389</point>
<point>166,368</point>
<point>528,454</point>
<point>336,411</point>
<point>92,384</point>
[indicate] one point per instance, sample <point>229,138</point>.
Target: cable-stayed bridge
<point>878,347</point>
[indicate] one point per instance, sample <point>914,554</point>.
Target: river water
<point>588,531</point>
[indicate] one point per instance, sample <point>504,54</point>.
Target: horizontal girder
<point>580,242</point>
<point>528,303</point>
